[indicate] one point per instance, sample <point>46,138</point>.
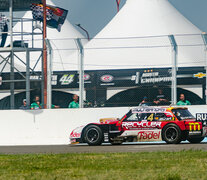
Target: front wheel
<point>93,135</point>
<point>195,140</point>
<point>171,134</point>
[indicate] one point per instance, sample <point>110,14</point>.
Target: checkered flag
<point>37,12</point>
<point>55,16</point>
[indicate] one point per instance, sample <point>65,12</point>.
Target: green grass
<point>144,165</point>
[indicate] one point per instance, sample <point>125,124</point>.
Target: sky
<point>94,15</point>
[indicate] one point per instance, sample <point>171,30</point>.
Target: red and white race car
<point>143,124</point>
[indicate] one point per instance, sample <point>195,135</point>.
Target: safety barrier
<point>53,127</point>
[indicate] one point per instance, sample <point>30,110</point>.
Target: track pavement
<point>83,148</point>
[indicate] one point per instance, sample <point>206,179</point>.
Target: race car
<point>143,124</point>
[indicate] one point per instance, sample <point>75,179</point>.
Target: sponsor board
<point>201,116</point>
<point>141,125</point>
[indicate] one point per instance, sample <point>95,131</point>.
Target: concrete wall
<point>50,127</point>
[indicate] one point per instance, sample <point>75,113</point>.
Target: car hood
<point>109,120</point>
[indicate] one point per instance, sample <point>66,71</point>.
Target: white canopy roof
<point>134,39</point>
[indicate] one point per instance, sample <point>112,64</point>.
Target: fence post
<point>81,72</point>
<point>28,77</point>
<point>174,70</point>
<point>49,75</point>
<point>204,36</point>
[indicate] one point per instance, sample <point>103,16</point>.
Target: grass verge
<point>144,165</point>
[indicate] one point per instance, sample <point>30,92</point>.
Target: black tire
<point>93,135</point>
<point>195,140</point>
<point>171,134</point>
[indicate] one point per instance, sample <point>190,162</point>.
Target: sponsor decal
<point>201,116</point>
<point>154,77</point>
<point>141,124</point>
<point>136,77</point>
<point>54,80</point>
<point>194,126</point>
<point>199,75</point>
<point>86,77</point>
<point>204,131</point>
<point>35,77</point>
<point>148,110</point>
<point>76,133</point>
<point>149,135</point>
<point>107,78</point>
<point>67,79</point>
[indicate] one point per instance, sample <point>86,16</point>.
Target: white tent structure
<point>60,41</point>
<point>137,37</point>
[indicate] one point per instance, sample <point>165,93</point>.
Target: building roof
<point>18,5</point>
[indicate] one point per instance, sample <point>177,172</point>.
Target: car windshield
<point>182,114</point>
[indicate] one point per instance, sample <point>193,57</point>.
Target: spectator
<point>74,103</point>
<point>183,101</point>
<point>161,99</point>
<point>145,102</point>
<point>54,106</point>
<point>36,104</point>
<point>24,105</point>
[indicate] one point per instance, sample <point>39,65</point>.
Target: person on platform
<point>36,104</point>
<point>183,101</point>
<point>74,103</point>
<point>161,98</point>
<point>24,106</point>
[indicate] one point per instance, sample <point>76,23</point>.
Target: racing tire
<point>171,134</point>
<point>93,135</point>
<point>195,140</point>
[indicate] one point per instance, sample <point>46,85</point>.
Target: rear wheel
<point>93,135</point>
<point>195,140</point>
<point>171,134</point>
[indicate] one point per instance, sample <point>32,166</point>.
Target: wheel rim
<point>171,133</point>
<point>92,135</point>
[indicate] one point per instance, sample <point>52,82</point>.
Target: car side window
<point>147,116</point>
<point>133,117</point>
<point>160,116</point>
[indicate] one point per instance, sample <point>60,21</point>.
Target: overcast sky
<point>95,14</point>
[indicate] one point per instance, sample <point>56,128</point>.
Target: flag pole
<point>45,52</point>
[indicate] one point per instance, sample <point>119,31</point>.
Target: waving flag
<point>55,16</point>
<point>118,3</point>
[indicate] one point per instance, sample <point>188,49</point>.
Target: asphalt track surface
<point>132,147</point>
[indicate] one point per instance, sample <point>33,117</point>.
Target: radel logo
<point>107,78</point>
<point>86,77</point>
